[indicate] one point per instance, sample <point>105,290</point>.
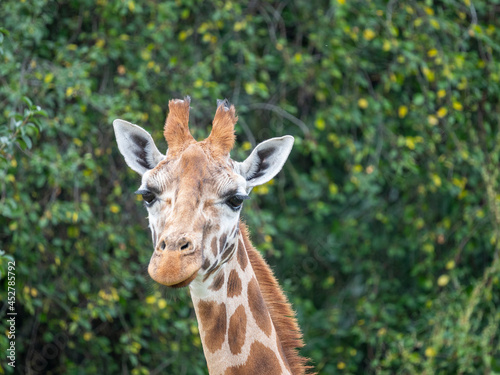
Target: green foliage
<point>384,228</point>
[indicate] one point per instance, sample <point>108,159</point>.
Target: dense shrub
<point>384,228</point>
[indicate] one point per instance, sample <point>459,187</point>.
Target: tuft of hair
<point>281,312</point>
<point>221,138</point>
<point>176,129</point>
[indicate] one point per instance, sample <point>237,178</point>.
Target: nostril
<point>185,245</point>
<point>162,245</point>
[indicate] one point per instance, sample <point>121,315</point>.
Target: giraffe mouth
<point>186,282</point>
<point>175,269</point>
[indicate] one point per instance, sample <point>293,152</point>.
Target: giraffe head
<point>195,192</point>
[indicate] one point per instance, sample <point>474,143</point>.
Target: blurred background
<point>383,227</point>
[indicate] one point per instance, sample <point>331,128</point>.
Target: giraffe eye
<point>236,201</point>
<point>148,197</point>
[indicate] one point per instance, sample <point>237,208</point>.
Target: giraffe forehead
<point>195,167</point>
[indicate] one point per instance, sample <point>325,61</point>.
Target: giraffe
<point>194,196</point>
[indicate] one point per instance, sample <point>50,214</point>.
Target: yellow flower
<point>363,103</point>
<point>100,43</point>
<point>183,36</point>
<point>429,11</point>
<point>410,143</point>
<point>443,280</point>
<point>402,111</point>
<point>246,146</point>
<point>432,120</point>
<point>428,248</point>
<point>320,124</point>
<point>162,303</point>
<point>369,34</point>
<point>436,179</point>
<point>333,188</point>
<point>87,336</point>
<point>341,365</point>
<point>261,189</point>
<point>435,24</point>
<point>48,78</point>
<point>240,25</point>
<point>442,112</point>
<point>430,352</point>
<point>432,52</point>
<point>457,106</point>
<point>429,74</point>
<point>441,93</point>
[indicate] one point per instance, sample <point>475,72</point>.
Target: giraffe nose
<point>183,243</point>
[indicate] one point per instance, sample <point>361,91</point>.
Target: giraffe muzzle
<point>184,244</point>
<point>175,261</point>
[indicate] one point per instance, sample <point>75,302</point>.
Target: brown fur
<point>242,258</point>
<point>233,284</point>
<point>282,315</point>
<point>176,129</point>
<point>218,282</point>
<point>221,138</point>
<point>261,361</point>
<point>215,249</point>
<point>258,307</point>
<point>213,321</point>
<point>236,333</point>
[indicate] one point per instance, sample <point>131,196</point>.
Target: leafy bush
<point>384,228</point>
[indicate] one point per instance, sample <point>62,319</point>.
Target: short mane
<point>282,315</point>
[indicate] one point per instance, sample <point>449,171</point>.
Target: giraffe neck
<point>236,327</point>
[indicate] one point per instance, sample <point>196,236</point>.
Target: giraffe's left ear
<point>136,146</point>
<point>266,160</point>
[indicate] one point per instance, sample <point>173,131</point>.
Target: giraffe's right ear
<point>137,146</point>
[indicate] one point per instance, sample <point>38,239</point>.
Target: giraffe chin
<point>186,282</point>
<point>173,268</point>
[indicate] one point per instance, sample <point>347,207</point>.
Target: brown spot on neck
<point>258,307</point>
<point>215,250</point>
<point>242,255</point>
<point>212,317</point>
<point>227,253</point>
<point>233,284</point>
<point>261,361</point>
<point>237,330</point>
<point>206,264</point>
<point>218,282</point>
<point>222,242</point>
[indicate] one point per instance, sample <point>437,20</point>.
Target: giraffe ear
<point>266,160</point>
<point>136,146</point>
